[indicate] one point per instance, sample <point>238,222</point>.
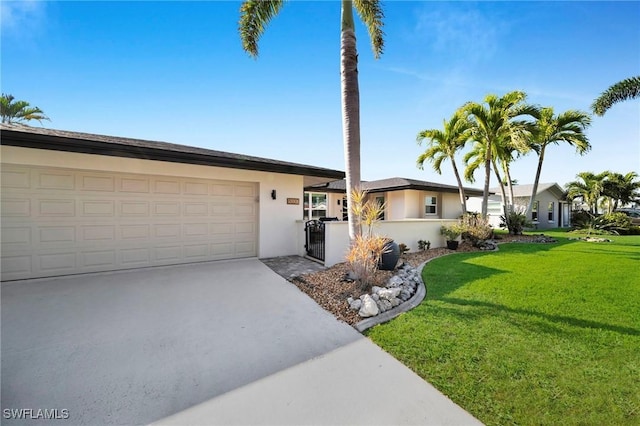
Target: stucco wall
<point>277,219</point>
<point>407,231</point>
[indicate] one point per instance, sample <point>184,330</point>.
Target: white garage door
<point>64,221</point>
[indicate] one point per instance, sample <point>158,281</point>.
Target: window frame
<point>434,204</point>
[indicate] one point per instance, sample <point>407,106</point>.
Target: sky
<point>175,71</point>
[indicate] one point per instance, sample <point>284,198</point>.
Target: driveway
<point>140,346</point>
<point>133,347</point>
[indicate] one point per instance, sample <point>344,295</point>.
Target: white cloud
<point>460,31</point>
<point>22,18</point>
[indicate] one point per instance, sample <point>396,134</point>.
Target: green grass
<point>531,334</point>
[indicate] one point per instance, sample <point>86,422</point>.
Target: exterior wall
<point>450,206</point>
<point>407,231</point>
<point>396,209</point>
<point>334,205</point>
<point>277,220</point>
<point>413,205</point>
<point>543,222</point>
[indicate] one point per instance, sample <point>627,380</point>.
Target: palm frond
<point>255,15</point>
<point>621,91</point>
<point>372,15</point>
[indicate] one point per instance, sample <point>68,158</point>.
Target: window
<point>430,205</point>
<point>534,211</point>
<point>550,211</point>
<point>315,205</point>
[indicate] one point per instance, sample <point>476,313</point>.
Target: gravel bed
<point>330,288</point>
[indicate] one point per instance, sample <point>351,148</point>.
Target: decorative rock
<point>405,295</point>
<point>395,302</point>
<point>389,293</point>
<point>384,305</point>
<point>369,307</point>
<point>355,304</point>
<point>375,297</point>
<point>375,289</point>
<point>395,281</point>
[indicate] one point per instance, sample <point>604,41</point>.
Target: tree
<point>254,17</point>
<point>443,144</point>
<point>621,189</point>
<point>621,91</point>
<point>588,187</point>
<point>568,127</point>
<point>19,111</point>
<point>494,124</point>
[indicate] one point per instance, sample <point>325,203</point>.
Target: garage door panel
<point>53,235</point>
<point>90,260</point>
<point>16,207</point>
<point>167,230</point>
<point>93,208</point>
<point>97,182</point>
<point>135,185</point>
<point>135,208</point>
<point>16,179</point>
<point>65,221</point>
<point>65,181</point>
<point>135,232</point>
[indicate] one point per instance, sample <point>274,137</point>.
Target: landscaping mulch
<point>331,287</point>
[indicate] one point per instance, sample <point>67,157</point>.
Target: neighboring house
<point>403,199</point>
<point>551,208</point>
<point>75,203</point>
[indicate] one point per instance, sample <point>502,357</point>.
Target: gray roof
<point>393,184</point>
<point>525,190</point>
<point>63,140</point>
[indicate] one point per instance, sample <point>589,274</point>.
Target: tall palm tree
<point>494,124</point>
<point>443,144</point>
<point>621,189</point>
<point>621,91</point>
<point>568,127</point>
<point>13,111</point>
<point>588,187</point>
<point>254,17</point>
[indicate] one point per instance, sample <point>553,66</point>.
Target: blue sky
<point>174,71</point>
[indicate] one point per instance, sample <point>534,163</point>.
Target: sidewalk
<point>357,384</point>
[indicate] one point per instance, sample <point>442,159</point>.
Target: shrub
<point>475,228</point>
<point>515,222</point>
<point>451,232</point>
<point>580,219</point>
<point>364,256</point>
<point>618,220</point>
<point>424,245</point>
<point>403,248</point>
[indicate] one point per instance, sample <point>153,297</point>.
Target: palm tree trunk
<point>505,202</point>
<point>534,191</point>
<point>463,198</point>
<point>350,95</point>
<point>487,180</point>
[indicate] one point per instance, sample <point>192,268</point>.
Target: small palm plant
<point>367,248</point>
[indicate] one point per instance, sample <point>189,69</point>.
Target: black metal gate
<point>314,241</point>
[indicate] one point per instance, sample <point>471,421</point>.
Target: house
<point>76,203</point>
<point>403,199</point>
<point>551,208</point>
<point>414,210</point>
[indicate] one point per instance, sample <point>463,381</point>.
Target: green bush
<point>618,220</point>
<point>580,219</point>
<point>515,222</point>
<point>475,228</point>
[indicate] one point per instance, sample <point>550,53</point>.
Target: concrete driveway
<point>160,345</point>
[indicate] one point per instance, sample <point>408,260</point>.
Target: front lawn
<point>531,334</point>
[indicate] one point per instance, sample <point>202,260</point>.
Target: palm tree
<point>254,17</point>
<point>621,91</point>
<point>493,125</point>
<point>588,187</point>
<point>19,111</point>
<point>443,144</point>
<point>568,127</point>
<point>621,189</point>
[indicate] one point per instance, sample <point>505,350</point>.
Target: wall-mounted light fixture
<point>273,194</point>
<point>338,202</point>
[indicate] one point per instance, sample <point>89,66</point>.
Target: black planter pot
<point>452,245</point>
<point>389,260</point>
